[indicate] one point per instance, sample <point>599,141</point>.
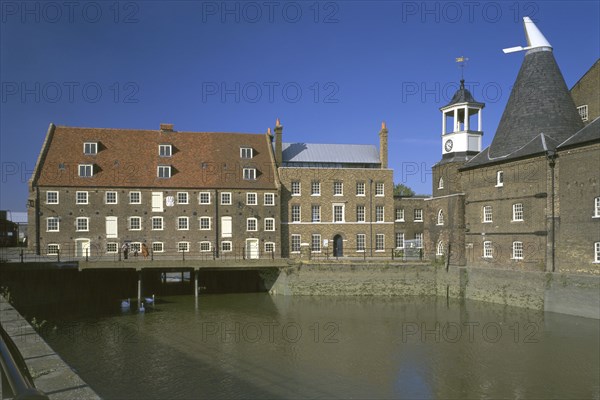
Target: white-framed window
<point>360,213</point>
<point>135,247</point>
<point>269,247</point>
<point>110,197</point>
<point>295,213</point>
<point>295,243</point>
<point>400,214</point>
<point>82,224</point>
<point>596,207</point>
<point>90,148</point>
<point>81,197</point>
<point>441,183</point>
<point>52,224</point>
<point>517,214</point>
<point>135,223</point>
<point>338,213</point>
<point>53,249</point>
<point>488,249</point>
<point>440,249</point>
<point>226,199</point>
<point>418,215</point>
<point>249,174</point>
<point>269,199</point>
<point>246,152</point>
<point>583,112</point>
<point>379,242</point>
<point>296,188</point>
<point>379,214</point>
<point>251,199</point>
<point>157,223</point>
<point>51,197</point>
<point>360,188</point>
<point>440,217</point>
<point>315,243</point>
<point>251,224</point>
<point>165,150</point>
<point>338,188</point>
<point>517,250</point>
<point>379,189</point>
<point>112,247</point>
<point>204,198</point>
<point>205,223</point>
<point>419,239</point>
<point>315,214</point>
<point>597,252</point>
<point>269,224</point>
<point>183,198</point>
<point>399,240</point>
<point>183,223</point>
<point>163,171</point>
<point>315,188</point>
<point>361,240</point>
<point>158,247</point>
<point>135,197</point>
<point>205,246</point>
<point>499,178</point>
<point>183,247</point>
<point>226,246</point>
<point>487,213</point>
<point>86,170</point>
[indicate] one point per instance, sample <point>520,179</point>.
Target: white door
<point>157,202</point>
<point>82,247</point>
<point>226,227</point>
<point>252,249</point>
<point>112,227</point>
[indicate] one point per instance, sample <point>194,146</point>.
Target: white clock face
<point>448,145</point>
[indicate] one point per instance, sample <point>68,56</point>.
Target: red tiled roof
<point>130,158</point>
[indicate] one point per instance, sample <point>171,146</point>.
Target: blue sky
<point>331,70</point>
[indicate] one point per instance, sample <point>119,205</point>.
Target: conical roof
<point>540,102</point>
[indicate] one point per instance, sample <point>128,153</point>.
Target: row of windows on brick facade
<point>338,188</point>
<point>361,240</point>
<point>518,253</point>
<point>134,223</point>
<point>164,150</point>
<point>135,197</point>
<point>338,213</point>
<point>162,171</point>
<point>159,247</point>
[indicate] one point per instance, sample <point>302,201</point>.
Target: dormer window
<point>165,150</point>
<point>90,148</point>
<point>246,152</point>
<point>86,170</point>
<point>250,174</point>
<point>164,171</point>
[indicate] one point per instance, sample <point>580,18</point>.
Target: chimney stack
<point>278,143</point>
<point>383,146</point>
<point>166,127</point>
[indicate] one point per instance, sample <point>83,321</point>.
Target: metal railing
<point>360,253</point>
<point>15,374</point>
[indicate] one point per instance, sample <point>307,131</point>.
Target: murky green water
<point>258,346</point>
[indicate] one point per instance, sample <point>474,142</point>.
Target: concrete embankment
<point>568,294</point>
<point>50,373</point>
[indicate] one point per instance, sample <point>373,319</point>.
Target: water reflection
<point>255,345</point>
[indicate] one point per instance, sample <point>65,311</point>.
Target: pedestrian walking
<point>144,250</point>
<point>125,250</point>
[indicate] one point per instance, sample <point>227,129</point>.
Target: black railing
<point>359,253</point>
<point>15,372</point>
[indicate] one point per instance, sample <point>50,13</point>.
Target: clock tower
<point>461,126</point>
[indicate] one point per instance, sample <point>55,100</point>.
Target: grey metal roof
<point>330,153</point>
<point>590,133</point>
<point>540,102</point>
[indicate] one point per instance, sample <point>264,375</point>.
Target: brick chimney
<point>166,127</point>
<point>278,143</point>
<point>383,146</point>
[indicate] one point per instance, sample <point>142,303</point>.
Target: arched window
<point>440,218</point>
<point>440,248</point>
<point>441,183</point>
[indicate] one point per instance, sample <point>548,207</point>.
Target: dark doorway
<point>338,246</point>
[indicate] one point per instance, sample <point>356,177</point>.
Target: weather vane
<point>462,61</point>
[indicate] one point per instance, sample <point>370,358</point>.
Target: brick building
<point>337,198</point>
<point>215,194</point>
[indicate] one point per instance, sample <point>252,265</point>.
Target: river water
<point>261,346</point>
